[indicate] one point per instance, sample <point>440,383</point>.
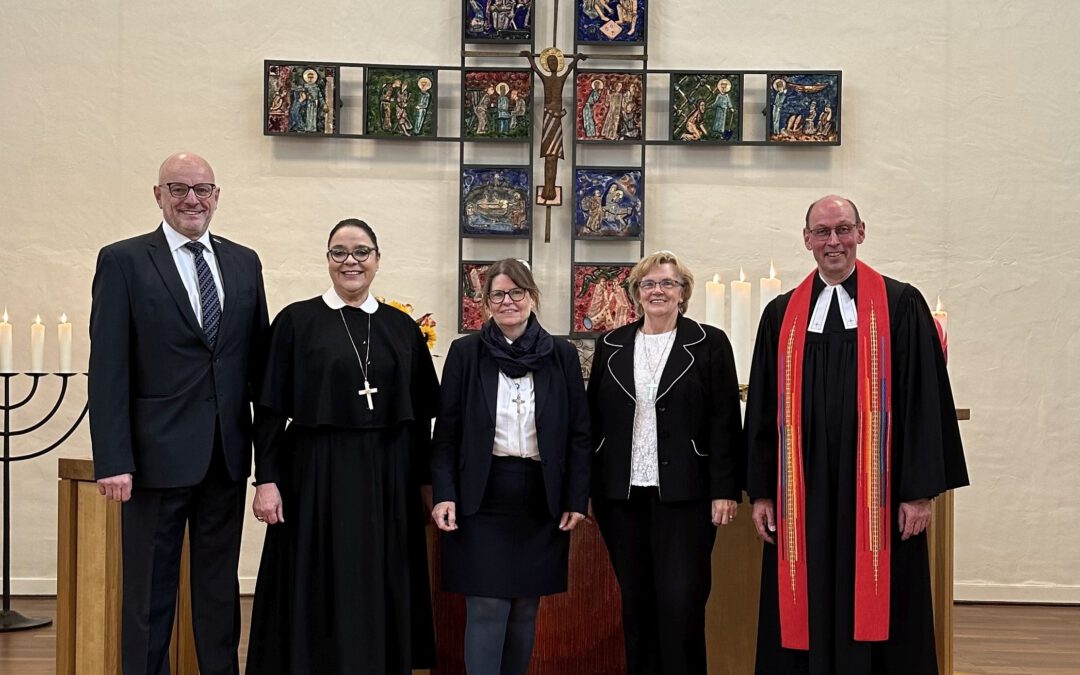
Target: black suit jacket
<point>465,428</point>
<point>156,388</point>
<point>698,417</point>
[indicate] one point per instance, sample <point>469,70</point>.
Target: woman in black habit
<point>510,470</point>
<point>342,585</point>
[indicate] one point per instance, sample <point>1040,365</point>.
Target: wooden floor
<point>990,640</point>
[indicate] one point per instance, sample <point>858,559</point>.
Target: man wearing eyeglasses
<point>852,432</point>
<point>177,320</point>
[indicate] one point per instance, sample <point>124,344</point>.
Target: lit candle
<point>714,302</point>
<point>741,339</point>
<point>63,335</point>
<point>37,346</point>
<point>7,361</point>
<point>941,318</point>
<point>769,288</point>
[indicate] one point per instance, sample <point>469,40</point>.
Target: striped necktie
<point>208,297</point>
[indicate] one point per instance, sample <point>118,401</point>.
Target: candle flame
<point>5,315</point>
<point>716,278</point>
<point>63,317</point>
<point>37,319</point>
<point>742,275</point>
<point>772,270</point>
<point>939,307</point>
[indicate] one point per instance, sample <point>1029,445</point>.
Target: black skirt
<point>342,583</point>
<point>511,547</point>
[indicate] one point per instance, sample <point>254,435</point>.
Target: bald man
<point>852,432</point>
<point>176,325</point>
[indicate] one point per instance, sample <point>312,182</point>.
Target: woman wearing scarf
<point>510,470</point>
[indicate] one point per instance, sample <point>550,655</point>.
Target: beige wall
<point>957,147</point>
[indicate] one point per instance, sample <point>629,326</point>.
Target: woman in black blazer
<point>667,434</point>
<point>509,470</point>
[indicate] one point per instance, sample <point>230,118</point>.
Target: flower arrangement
<point>426,322</point>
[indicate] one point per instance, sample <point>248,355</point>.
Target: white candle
<point>7,361</point>
<point>741,339</point>
<point>768,289</point>
<point>941,318</point>
<point>63,336</point>
<point>714,302</point>
<point>37,346</point>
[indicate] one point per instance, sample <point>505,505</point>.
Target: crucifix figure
<point>367,391</point>
<point>551,144</point>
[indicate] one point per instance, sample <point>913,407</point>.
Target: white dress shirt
<point>515,418</point>
<point>185,265</point>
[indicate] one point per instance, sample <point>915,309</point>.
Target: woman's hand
<point>445,516</point>
<point>569,520</point>
<point>267,504</point>
<point>723,511</point>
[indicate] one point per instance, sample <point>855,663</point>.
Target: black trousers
<point>662,555</point>
<point>153,523</point>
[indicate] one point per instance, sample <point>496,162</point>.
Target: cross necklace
<point>518,400</point>
<point>654,384</point>
<point>365,363</point>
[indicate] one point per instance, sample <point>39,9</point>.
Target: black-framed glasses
<point>360,253</point>
<point>497,297</point>
<point>842,231</point>
<point>666,284</point>
<point>180,190</point>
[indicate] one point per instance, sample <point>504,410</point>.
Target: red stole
<point>873,531</point>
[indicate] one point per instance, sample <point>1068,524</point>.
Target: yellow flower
<point>426,322</point>
<point>429,334</point>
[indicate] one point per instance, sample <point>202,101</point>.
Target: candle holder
<point>11,620</point>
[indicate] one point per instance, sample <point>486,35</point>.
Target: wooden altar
<point>583,627</point>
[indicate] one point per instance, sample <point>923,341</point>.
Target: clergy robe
<point>927,459</point>
<point>343,585</point>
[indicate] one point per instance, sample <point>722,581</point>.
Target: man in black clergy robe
<point>926,459</point>
<point>177,319</point>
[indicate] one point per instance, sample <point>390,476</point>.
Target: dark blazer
<point>698,417</point>
<point>156,388</point>
<point>465,428</point>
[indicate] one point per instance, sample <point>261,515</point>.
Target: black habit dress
<point>927,459</point>
<point>342,585</point>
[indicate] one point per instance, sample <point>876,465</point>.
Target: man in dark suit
<point>177,320</point>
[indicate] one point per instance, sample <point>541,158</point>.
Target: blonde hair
<point>646,265</point>
<point>519,273</point>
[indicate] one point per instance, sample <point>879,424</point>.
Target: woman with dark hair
<point>342,427</point>
<point>668,466</point>
<point>509,470</point>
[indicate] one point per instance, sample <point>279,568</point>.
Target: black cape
<point>927,459</point>
<point>343,582</point>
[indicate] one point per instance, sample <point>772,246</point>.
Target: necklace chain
<point>654,367</point>
<point>365,364</point>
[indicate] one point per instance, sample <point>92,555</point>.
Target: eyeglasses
<point>842,231</point>
<point>180,190</point>
<point>497,297</point>
<point>360,253</point>
<point>666,284</point>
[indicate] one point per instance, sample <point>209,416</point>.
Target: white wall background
<point>960,147</point>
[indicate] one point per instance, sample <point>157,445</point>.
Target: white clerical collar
<point>821,309</point>
<point>334,301</point>
<point>177,240</point>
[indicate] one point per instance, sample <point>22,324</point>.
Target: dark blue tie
<point>208,298</point>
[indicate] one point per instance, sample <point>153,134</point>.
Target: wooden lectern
<point>88,582</point>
